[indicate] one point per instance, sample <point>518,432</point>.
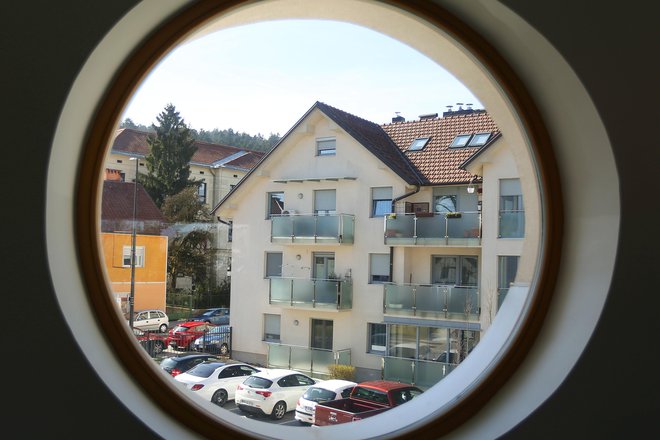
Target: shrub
<point>345,372</point>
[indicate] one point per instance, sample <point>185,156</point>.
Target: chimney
<point>428,116</point>
<point>398,118</point>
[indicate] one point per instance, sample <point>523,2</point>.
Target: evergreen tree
<point>170,150</point>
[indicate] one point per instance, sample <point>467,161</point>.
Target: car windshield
<point>258,382</point>
<point>205,370</point>
<point>181,328</point>
<point>319,394</point>
<point>208,313</point>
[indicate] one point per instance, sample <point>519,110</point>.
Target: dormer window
<point>460,141</point>
<point>419,143</point>
<point>326,146</point>
<point>479,139</point>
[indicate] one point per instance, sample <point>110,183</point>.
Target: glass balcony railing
<point>312,228</point>
<point>432,301</point>
<point>421,373</point>
<point>312,293</point>
<point>512,224</point>
<point>428,229</point>
<point>314,361</point>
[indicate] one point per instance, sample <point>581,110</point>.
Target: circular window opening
<point>349,233</point>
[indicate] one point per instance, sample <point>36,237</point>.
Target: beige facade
<point>297,170</point>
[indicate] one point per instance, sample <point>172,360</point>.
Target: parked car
<point>216,381</point>
<point>152,341</point>
<point>151,320</point>
<point>272,392</point>
<point>180,364</point>
<point>216,340</point>
<point>217,316</point>
<point>182,337</point>
<point>321,392</point>
<point>367,399</point>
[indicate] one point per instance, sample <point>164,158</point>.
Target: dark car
<point>180,364</point>
<point>217,316</point>
<point>152,341</point>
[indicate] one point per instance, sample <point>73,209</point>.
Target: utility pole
<point>131,297</point>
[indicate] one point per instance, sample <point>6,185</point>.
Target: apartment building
<point>386,247</point>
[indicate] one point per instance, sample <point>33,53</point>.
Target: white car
<point>272,392</point>
<point>321,392</point>
<point>148,320</point>
<point>216,381</point>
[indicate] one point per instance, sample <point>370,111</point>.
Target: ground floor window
<point>272,327</point>
<point>507,267</point>
<point>438,344</point>
<point>377,338</point>
<point>322,334</point>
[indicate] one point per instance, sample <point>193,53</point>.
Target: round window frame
<point>89,175</point>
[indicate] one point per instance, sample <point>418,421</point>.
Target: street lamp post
<point>131,297</point>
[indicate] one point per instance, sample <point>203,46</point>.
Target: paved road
<point>287,420</point>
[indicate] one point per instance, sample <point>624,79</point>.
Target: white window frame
<point>139,256</point>
<point>271,326</point>
<point>326,146</point>
<point>371,268</point>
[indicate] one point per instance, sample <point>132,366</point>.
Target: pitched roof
<point>134,142</point>
<point>117,203</point>
<point>438,163</point>
<point>375,139</point>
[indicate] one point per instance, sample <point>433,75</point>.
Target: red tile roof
<point>134,142</point>
<point>117,203</point>
<point>438,163</point>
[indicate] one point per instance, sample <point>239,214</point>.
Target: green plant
<point>339,371</point>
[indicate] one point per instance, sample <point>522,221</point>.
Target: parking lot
<point>287,420</point>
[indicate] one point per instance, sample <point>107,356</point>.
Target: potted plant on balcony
<point>453,215</point>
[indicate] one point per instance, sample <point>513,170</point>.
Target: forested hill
<point>216,136</point>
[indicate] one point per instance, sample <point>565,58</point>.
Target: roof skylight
<point>460,141</point>
<point>418,144</point>
<point>479,139</point>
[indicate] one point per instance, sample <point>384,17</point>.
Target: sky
<point>261,78</point>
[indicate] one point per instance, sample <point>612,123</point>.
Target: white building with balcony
<point>387,247</point>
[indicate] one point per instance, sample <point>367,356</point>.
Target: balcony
<point>312,229</point>
<point>314,361</point>
<point>429,229</point>
<point>421,373</point>
<point>310,293</point>
<point>432,301</point>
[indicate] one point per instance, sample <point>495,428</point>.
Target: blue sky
<point>261,78</point>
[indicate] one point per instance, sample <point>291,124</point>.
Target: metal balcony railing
<point>312,228</point>
<point>432,301</point>
<point>313,293</point>
<point>429,229</point>
<point>421,373</point>
<point>314,361</point>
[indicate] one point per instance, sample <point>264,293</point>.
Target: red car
<point>182,337</point>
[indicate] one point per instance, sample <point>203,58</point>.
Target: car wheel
<point>224,349</point>
<point>219,397</point>
<point>163,328</point>
<point>278,410</point>
<point>158,348</point>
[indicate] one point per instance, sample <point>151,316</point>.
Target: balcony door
<point>324,265</point>
<point>321,334</point>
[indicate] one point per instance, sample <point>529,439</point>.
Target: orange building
<point>150,246</point>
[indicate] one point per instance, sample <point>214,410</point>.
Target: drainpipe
<point>401,197</point>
